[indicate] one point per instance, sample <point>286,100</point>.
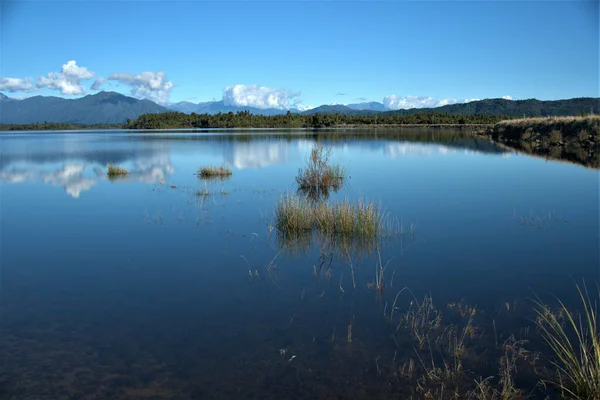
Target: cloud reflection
<point>71,177</point>
<point>77,177</point>
<point>257,154</point>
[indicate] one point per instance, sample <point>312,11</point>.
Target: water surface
<point>137,288</point>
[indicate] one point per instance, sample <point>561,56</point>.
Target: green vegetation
<point>51,126</point>
<point>320,176</point>
<point>359,220</point>
<point>212,172</point>
<point>516,108</point>
<point>245,119</point>
<point>116,171</point>
<point>574,338</point>
<point>576,139</point>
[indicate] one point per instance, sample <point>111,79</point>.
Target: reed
<point>574,338</point>
<point>319,176</point>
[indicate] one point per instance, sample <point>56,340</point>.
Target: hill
<point>100,108</point>
<point>514,108</point>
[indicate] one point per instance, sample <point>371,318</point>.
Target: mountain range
<point>111,107</point>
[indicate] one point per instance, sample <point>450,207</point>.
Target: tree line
<point>54,126</point>
<point>245,119</point>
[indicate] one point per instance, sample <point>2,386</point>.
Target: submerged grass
<point>116,171</point>
<point>574,338</point>
<point>211,171</point>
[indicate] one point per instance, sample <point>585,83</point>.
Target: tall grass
<point>210,171</point>
<point>345,219</point>
<point>574,338</point>
<point>293,214</point>
<point>319,176</point>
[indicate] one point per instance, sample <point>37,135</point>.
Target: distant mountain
<point>111,107</point>
<point>188,107</point>
<point>514,108</point>
<point>100,108</point>
<point>371,106</point>
<point>338,109</point>
<point>215,107</point>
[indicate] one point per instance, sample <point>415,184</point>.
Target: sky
<point>302,53</point>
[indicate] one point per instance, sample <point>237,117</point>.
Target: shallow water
<point>138,288</point>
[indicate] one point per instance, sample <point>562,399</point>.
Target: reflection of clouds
<point>153,169</point>
<point>71,178</point>
<point>16,176</point>
<point>394,150</point>
<point>256,154</point>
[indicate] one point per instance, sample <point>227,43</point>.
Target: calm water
<point>137,288</point>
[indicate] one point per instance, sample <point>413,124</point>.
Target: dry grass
<point>574,338</point>
<point>116,171</point>
<point>319,176</point>
<point>549,120</point>
<point>360,220</point>
<point>210,171</point>
<point>293,214</point>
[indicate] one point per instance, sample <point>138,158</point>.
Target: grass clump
<point>293,214</point>
<point>319,176</point>
<point>210,171</point>
<point>360,220</point>
<point>116,171</point>
<point>574,338</point>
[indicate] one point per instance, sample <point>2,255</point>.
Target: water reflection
<point>256,154</point>
<point>71,178</point>
<point>78,165</point>
<point>78,162</point>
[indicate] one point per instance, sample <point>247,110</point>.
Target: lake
<point>138,288</point>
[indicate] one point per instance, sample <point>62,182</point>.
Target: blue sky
<point>303,52</point>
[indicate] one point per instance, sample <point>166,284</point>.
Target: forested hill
<point>246,120</point>
<point>515,108</point>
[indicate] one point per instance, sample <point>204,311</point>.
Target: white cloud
<point>395,102</point>
<point>68,80</point>
<point>472,99</point>
<point>259,97</point>
<point>507,97</point>
<point>16,85</point>
<point>300,107</point>
<point>97,85</point>
<point>146,85</point>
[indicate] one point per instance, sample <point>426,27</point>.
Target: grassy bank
<point>575,139</point>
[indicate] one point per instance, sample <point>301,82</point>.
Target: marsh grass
<point>214,172</point>
<point>341,222</point>
<point>574,338</point>
<point>116,171</point>
<point>319,177</point>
